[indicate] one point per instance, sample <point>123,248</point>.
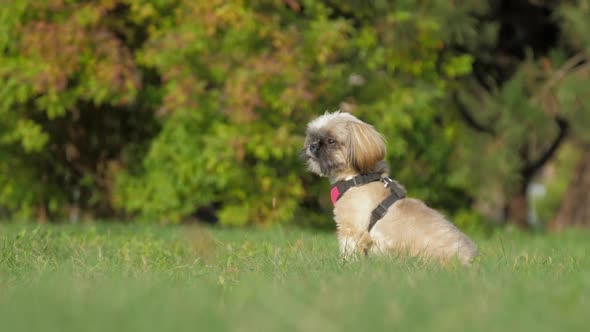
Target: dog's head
<point>338,145</point>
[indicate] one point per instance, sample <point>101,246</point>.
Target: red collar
<point>334,194</point>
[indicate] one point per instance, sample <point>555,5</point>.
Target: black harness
<point>397,193</point>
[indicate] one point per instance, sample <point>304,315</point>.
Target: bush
<point>163,109</point>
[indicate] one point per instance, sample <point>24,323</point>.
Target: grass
<point>149,278</point>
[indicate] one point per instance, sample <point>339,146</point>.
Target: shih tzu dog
<point>372,214</point>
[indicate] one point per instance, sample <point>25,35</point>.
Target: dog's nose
<point>313,148</point>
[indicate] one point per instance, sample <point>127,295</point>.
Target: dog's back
<point>408,227</point>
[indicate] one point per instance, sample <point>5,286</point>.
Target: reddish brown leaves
<point>79,47</point>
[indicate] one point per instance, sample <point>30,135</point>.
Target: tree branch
<point>469,119</point>
<point>573,64</point>
<point>532,167</point>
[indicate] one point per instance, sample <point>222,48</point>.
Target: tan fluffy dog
<point>340,146</point>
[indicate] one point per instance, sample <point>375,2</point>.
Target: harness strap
<point>342,186</point>
<point>379,212</point>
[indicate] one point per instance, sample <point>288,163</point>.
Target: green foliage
<point>73,103</point>
<point>241,81</point>
<point>164,109</point>
<point>563,167</point>
<point>520,117</point>
<point>573,16</point>
<point>519,130</point>
<point>129,277</point>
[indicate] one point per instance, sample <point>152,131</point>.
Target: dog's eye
<point>331,141</point>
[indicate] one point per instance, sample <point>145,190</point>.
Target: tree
<point>75,106</point>
<point>571,89</point>
<point>575,207</point>
<point>515,121</point>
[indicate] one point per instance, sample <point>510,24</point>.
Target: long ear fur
<point>366,147</point>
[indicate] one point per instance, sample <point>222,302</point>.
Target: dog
<point>371,212</point>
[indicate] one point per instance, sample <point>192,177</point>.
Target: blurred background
<point>183,111</point>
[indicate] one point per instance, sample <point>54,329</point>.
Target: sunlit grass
<point>143,278</point>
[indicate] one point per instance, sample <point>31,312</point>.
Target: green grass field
<point>148,278</point>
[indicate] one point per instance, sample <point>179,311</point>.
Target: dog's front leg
<point>353,246</point>
<point>348,245</point>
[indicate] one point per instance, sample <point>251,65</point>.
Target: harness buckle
<point>386,182</point>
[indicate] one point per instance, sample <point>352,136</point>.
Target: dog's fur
<point>340,146</point>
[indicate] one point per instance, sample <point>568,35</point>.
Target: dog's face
<point>338,144</point>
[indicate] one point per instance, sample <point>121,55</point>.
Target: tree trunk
<point>575,206</point>
<point>518,208</point>
<point>42,213</point>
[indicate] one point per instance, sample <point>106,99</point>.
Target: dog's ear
<point>366,146</point>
